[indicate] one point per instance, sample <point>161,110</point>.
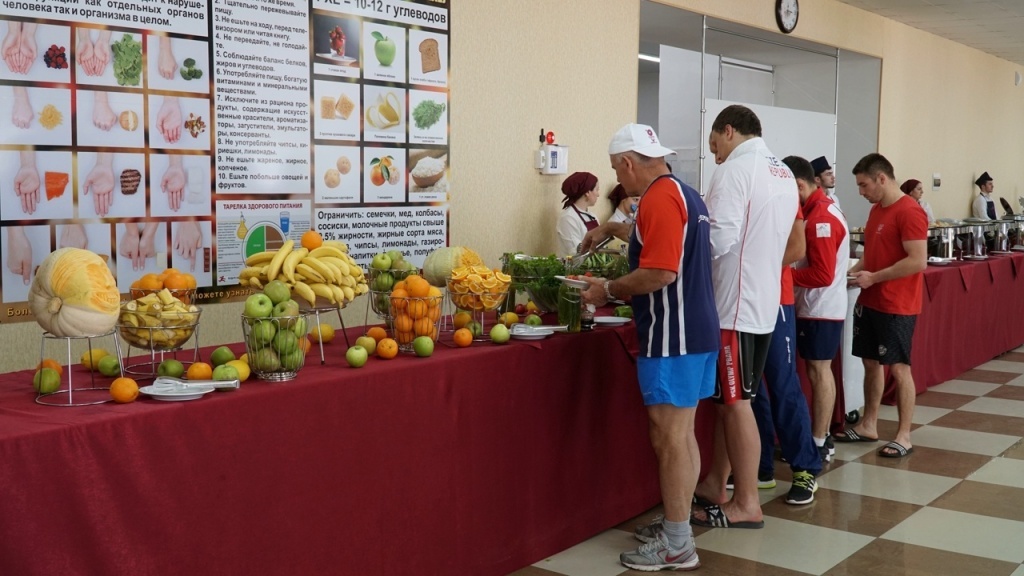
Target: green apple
<point>396,257</point>
<point>277,291</point>
<point>368,343</point>
<point>383,282</point>
<point>423,346</point>
<point>109,366</point>
<point>383,48</point>
<point>381,262</point>
<point>499,334</point>
<point>403,266</point>
<point>293,360</point>
<point>262,332</point>
<point>475,328</point>
<point>285,342</point>
<point>258,306</point>
<point>46,381</point>
<point>221,355</point>
<point>301,327</point>
<point>534,320</point>
<point>286,313</point>
<point>265,360</point>
<point>225,372</point>
<point>356,356</point>
<point>171,367</point>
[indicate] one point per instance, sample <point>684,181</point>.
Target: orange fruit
<point>434,313</point>
<point>403,323</point>
<point>417,286</point>
<point>387,348</point>
<point>167,272</point>
<point>435,295</point>
<point>376,176</point>
<point>463,337</point>
<point>416,309</point>
<point>311,240</point>
<point>191,280</point>
<point>377,333</point>
<point>151,282</point>
<point>199,371</point>
<point>399,298</point>
<point>405,337</point>
<point>124,390</point>
<point>305,344</point>
<point>423,327</point>
<point>176,281</point>
<point>136,285</point>
<point>461,319</point>
<point>52,364</point>
<point>400,285</point>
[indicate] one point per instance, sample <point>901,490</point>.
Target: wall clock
<point>787,13</point>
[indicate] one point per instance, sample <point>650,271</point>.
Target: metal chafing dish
<point>947,238</point>
<point>1004,236</point>
<point>981,236</point>
<point>1017,232</point>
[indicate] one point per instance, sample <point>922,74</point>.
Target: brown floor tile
<point>534,571</point>
<point>984,499</point>
<point>1012,357</point>
<point>1007,393</point>
<point>943,400</point>
<point>1016,451</point>
<point>979,422</point>
<point>990,376</point>
<point>844,511</point>
<point>930,461</point>
<point>888,558</point>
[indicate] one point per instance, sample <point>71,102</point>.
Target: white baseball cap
<point>638,138</point>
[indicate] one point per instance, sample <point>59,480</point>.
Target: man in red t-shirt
<point>889,275</point>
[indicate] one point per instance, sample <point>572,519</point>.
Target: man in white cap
<point>677,326</point>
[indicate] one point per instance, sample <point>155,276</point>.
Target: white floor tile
<point>887,483</point>
<point>964,533</point>
<point>997,406</point>
<point>1018,572</point>
<point>963,440</point>
<point>598,556</point>
<point>922,414</point>
<point>779,541</point>
<point>1003,366</point>
<point>1003,471</point>
<point>1018,381</point>
<point>964,387</point>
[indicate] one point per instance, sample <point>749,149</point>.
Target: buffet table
<point>973,312</point>
<point>473,461</point>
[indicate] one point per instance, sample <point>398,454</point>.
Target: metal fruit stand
<point>56,398</point>
<point>161,327</point>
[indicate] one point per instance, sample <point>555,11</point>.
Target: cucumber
<point>623,311</point>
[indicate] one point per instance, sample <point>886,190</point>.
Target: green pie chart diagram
<point>262,237</point>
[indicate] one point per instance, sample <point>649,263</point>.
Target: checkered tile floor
<point>955,506</point>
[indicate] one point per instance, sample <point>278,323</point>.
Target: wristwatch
<point>608,291</point>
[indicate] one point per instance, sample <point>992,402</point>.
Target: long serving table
<point>474,461</point>
<point>972,312</point>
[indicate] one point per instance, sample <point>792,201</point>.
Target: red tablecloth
<point>973,312</point>
<point>474,461</point>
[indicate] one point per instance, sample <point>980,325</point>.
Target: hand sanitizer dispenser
<point>551,158</point>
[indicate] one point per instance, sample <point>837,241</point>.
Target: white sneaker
<point>656,555</point>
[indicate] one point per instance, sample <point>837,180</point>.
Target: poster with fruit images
<point>136,130</point>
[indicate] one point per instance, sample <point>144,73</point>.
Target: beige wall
<point>570,66</point>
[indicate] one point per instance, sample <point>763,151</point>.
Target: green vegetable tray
<point>536,275</point>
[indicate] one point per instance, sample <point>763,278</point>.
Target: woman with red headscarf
<point>623,205</point>
<point>915,190</point>
<point>580,190</point>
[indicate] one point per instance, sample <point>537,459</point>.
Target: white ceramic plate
<point>170,394</point>
<point>611,320</point>
<point>1004,252</point>
<point>939,262</point>
<point>581,284</point>
<point>972,257</point>
<point>531,335</point>
<point>343,60</point>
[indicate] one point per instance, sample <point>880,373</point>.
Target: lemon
<point>91,359</point>
<point>322,333</point>
<point>242,367</point>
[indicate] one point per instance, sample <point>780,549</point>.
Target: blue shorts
<point>677,380</point>
<point>818,339</point>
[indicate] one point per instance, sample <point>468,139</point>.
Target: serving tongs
<point>580,257</point>
<point>527,329</point>
<point>171,383</point>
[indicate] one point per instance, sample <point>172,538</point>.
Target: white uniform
<point>927,210</point>
<point>833,196</point>
<point>980,207</point>
<point>571,229</point>
<point>752,201</point>
<point>618,216</point>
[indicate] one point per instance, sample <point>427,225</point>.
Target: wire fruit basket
<point>275,345</point>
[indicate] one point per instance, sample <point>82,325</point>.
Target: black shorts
<point>818,339</point>
<point>740,365</point>
<point>881,336</point>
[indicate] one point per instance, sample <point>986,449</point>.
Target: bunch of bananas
<point>328,272</point>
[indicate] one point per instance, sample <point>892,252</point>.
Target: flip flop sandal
<point>899,451</point>
<point>716,519</point>
<point>850,435</point>
<point>701,501</point>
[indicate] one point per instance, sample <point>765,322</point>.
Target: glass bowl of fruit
<point>276,345</point>
<point>181,285</point>
<point>159,322</point>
